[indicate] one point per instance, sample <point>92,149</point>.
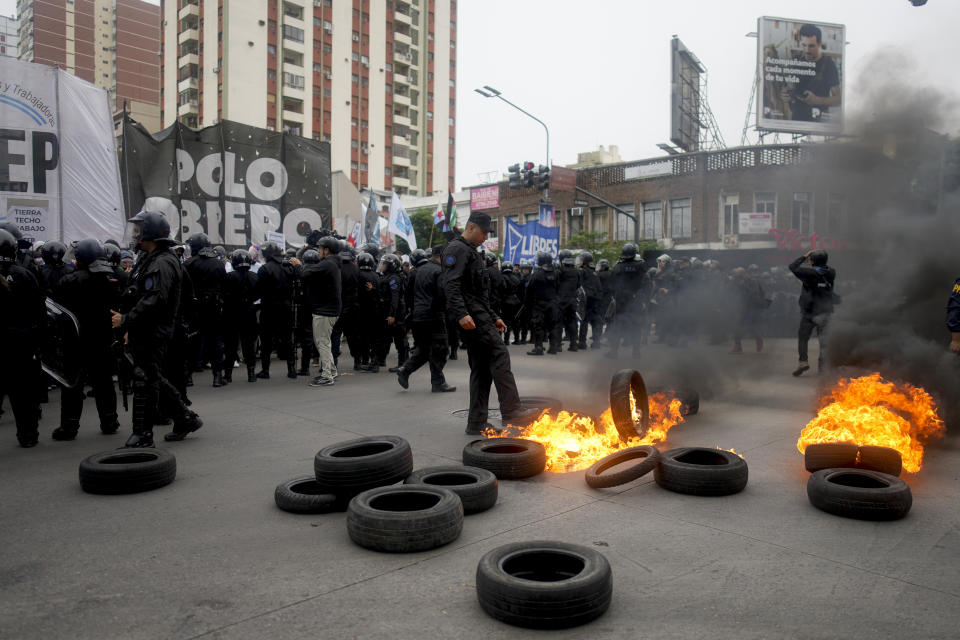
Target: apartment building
<point>9,36</point>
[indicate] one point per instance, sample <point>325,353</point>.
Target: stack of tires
<point>691,470</point>
<point>857,481</point>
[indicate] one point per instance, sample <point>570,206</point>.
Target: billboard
<point>800,74</point>
<point>485,198</point>
<point>685,72</point>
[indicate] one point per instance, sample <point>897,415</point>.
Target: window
<point>271,74</point>
<point>493,221</point>
<point>328,27</point>
<point>451,122</point>
<point>355,78</point>
<point>389,67</point>
<point>801,217</point>
<point>765,202</point>
<point>429,115</point>
<point>363,166</point>
<point>836,208</point>
<point>386,171</point>
<point>388,87</point>
<point>353,123</point>
<point>652,220</point>
<point>293,11</point>
<point>355,56</point>
<point>574,221</point>
<point>317,68</point>
<point>681,222</point>
<point>731,213</point>
<point>354,144</point>
<point>292,33</point>
<point>531,217</point>
<point>292,80</point>
<point>598,220</point>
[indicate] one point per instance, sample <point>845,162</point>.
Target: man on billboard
<point>812,96</point>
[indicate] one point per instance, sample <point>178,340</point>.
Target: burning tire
<point>701,472</point>
<point>507,458</point>
<point>860,494</point>
<point>351,467</point>
<point>624,384</point>
<point>127,471</point>
<point>648,458</point>
<point>541,402</point>
<point>882,459</point>
<point>412,517</point>
<point>476,487</point>
<point>544,584</point>
<point>689,398</point>
<point>305,495</point>
<point>830,455</point>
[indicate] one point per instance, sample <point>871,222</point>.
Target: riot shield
<point>60,350</point>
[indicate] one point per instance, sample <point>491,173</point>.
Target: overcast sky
<point>598,71</point>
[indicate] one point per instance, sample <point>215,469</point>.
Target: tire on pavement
<point>625,383</point>
<point>544,584</point>
<point>507,458</point>
<point>127,471</point>
<point>403,519</point>
<point>647,457</point>
<point>351,467</point>
<point>701,472</point>
<point>882,459</point>
<point>830,455</point>
<point>305,495</point>
<point>860,494</point>
<point>477,488</point>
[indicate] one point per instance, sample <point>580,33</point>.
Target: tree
<point>596,243</point>
<point>422,221</point>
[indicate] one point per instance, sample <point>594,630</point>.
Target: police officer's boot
<point>228,375</point>
<point>251,373</point>
<point>142,426</point>
<point>292,368</point>
<point>188,423</point>
<point>304,363</point>
<point>66,431</point>
<point>217,378</point>
<point>264,369</point>
<point>109,424</point>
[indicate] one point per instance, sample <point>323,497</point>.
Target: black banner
<point>236,183</point>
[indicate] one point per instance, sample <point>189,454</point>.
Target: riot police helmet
<point>818,258</point>
<point>365,261</point>
<point>313,237</point>
<point>52,252</point>
<point>87,251</point>
<point>628,251</point>
<point>566,257</point>
<point>240,259</point>
<point>506,266</point>
<point>418,257</point>
<point>489,258</point>
<point>198,241</point>
<point>13,230</point>
<point>148,226</point>
<point>271,251</point>
<point>391,263</point>
<point>372,249</point>
<point>603,264</point>
<point>111,253</point>
<point>544,259</point>
<point>344,247</point>
<point>310,256</point>
<point>220,251</point>
<point>586,259</point>
<point>290,253</point>
<point>330,243</point>
<point>8,246</point>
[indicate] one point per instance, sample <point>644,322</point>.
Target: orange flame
<point>871,411</point>
<point>575,442</point>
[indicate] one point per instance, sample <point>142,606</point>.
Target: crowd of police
<point>172,310</point>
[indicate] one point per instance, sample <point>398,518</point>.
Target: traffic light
<point>513,173</point>
<point>529,176</point>
<point>543,178</point>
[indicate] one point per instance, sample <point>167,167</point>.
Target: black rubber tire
<point>541,402</point>
<point>351,467</point>
<point>305,495</point>
<point>860,494</point>
<point>701,472</point>
<point>411,517</point>
<point>477,488</point>
<point>544,584</point>
<point>882,459</point>
<point>622,384</point>
<point>830,455</point>
<point>648,458</point>
<point>507,458</point>
<point>127,471</point>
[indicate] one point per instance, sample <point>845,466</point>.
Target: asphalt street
<point>211,556</point>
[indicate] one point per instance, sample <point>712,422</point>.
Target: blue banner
<point>522,241</point>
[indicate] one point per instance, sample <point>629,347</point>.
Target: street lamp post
<point>490,92</point>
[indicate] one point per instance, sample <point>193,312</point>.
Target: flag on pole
<point>451,220</point>
<point>355,234</point>
<point>371,220</point>
<point>400,224</point>
<point>438,217</point>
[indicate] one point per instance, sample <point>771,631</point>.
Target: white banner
<point>59,178</point>
<point>755,223</point>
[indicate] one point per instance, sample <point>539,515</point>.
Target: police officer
<point>150,306</point>
<point>54,268</point>
<point>568,284</point>
<point>816,302</point>
<point>606,283</point>
<point>90,292</point>
<point>393,310</point>
<point>541,299</point>
<point>240,315</point>
<point>593,309</point>
<point>465,286</point>
<point>953,317</point>
<point>523,317</point>
<point>21,316</point>
<point>496,283</point>
<point>112,256</point>
<point>348,324</point>
<point>368,307</point>
<point>208,275</point>
<point>631,290</point>
<point>427,322</point>
<point>275,290</point>
<point>511,303</point>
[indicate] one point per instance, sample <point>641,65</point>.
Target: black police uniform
<point>151,303</point>
<point>427,324</point>
<point>465,286</point>
<point>496,289</point>
<point>816,304</point>
<point>541,299</point>
<point>91,293</point>
<point>393,305</point>
<point>51,275</point>
<point>568,283</point>
<point>368,307</point>
<point>631,288</point>
<point>953,308</point>
<point>177,363</point>
<point>22,317</point>
<point>240,320</point>
<point>523,317</point>
<point>208,275</point>
<point>593,307</point>
<point>347,324</point>
<point>275,291</point>
<point>512,302</point>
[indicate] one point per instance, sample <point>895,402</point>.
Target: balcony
<point>189,83</point>
<point>399,119</point>
<point>188,34</point>
<point>401,78</point>
<point>402,38</point>
<point>401,181</point>
<point>401,140</point>
<point>403,56</point>
<point>401,99</point>
<point>189,58</point>
<point>189,107</point>
<point>191,9</point>
<point>292,118</point>
<point>402,18</point>
<point>401,162</point>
